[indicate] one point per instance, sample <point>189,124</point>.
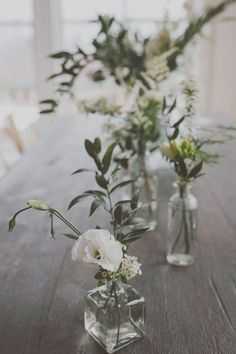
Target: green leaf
<point>120,185</point>
<point>77,199</point>
<point>46,111</point>
<point>71,236</point>
<point>89,193</point>
<point>135,235</point>
<point>67,84</point>
<point>52,105</point>
<point>101,181</point>
<point>106,161</point>
<point>123,202</point>
<point>49,101</point>
<point>95,205</point>
<point>97,193</point>
<point>52,227</point>
<point>99,275</point>
<point>98,163</point>
<point>136,221</point>
<point>12,224</point>
<point>176,125</point>
<point>163,105</point>
<point>200,175</point>
<point>115,173</point>
<point>175,134</point>
<point>123,279</point>
<point>180,167</point>
<point>54,76</point>
<point>97,145</point>
<point>90,148</point>
<point>60,55</point>
<point>131,239</point>
<point>134,201</point>
<point>80,170</point>
<point>196,169</point>
<point>136,232</point>
<point>118,214</point>
<point>172,106</point>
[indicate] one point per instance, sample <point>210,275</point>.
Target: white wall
<point>217,66</point>
<point>47,31</point>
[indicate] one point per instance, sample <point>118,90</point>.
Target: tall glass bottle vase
<point>114,315</point>
<point>182,226</point>
<point>146,181</point>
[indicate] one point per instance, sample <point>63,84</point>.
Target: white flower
<point>130,267</point>
<point>98,247</point>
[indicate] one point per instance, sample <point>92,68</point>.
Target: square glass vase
<point>114,315</point>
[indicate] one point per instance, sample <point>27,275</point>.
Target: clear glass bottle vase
<point>182,226</point>
<point>146,182</point>
<point>114,315</point>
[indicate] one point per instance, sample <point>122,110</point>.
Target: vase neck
<point>113,285</point>
<point>183,188</point>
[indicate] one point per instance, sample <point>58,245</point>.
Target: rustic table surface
<point>189,310</point>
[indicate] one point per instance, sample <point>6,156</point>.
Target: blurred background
<point>30,30</point>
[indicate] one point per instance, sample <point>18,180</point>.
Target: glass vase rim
<point>183,189</point>
<point>177,184</point>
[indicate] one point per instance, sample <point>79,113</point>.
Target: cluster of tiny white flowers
<point>130,267</point>
<point>157,67</point>
<point>138,119</point>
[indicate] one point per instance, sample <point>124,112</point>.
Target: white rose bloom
<point>98,247</point>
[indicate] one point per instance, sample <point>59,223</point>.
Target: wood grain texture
<point>189,311</point>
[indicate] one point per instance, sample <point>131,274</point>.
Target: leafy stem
<point>111,211</point>
<point>42,206</point>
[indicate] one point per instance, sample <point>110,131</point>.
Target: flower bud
<point>169,149</point>
<point>37,204</point>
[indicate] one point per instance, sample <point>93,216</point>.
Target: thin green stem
<point>178,235</point>
<point>148,187</point>
<point>106,302</point>
<point>61,217</point>
<point>118,314</point>
<point>186,232</point>
<point>20,211</point>
<point>111,211</point>
<point>184,223</point>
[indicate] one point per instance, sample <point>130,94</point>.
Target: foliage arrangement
<point>186,147</point>
<point>139,130</point>
<point>188,150</point>
<point>121,215</point>
<point>100,248</point>
<point>125,56</point>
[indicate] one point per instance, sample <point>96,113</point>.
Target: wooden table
<point>189,310</point>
